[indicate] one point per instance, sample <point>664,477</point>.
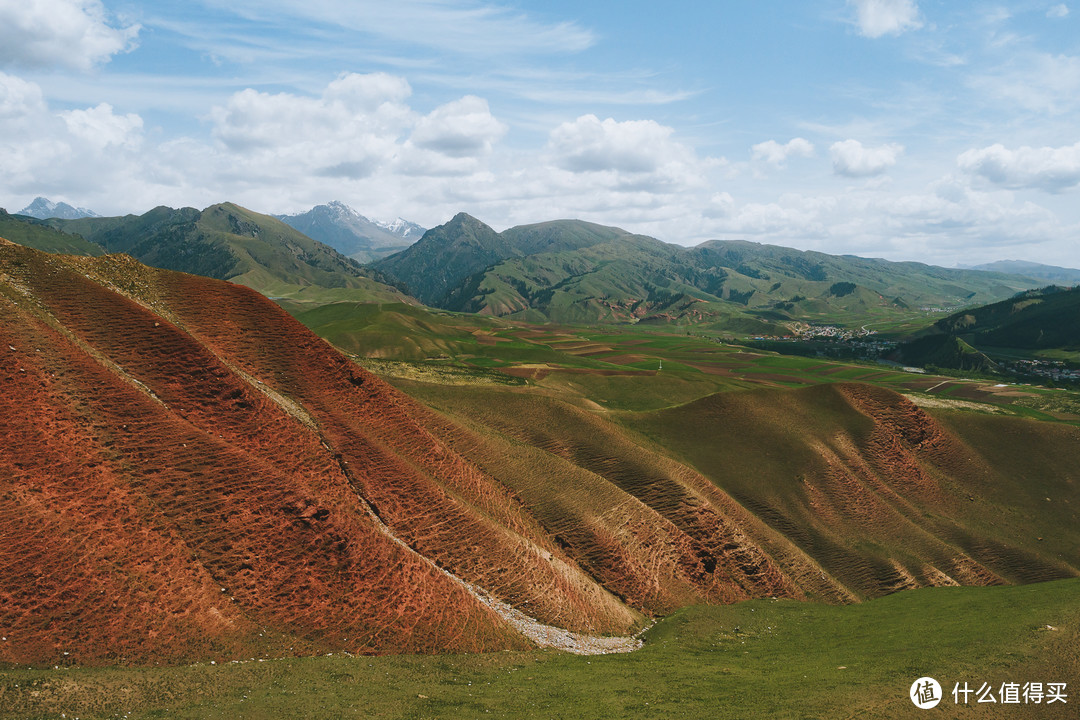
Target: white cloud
<point>463,128</point>
<point>1038,82</point>
<point>875,18</point>
<point>1049,169</point>
<point>851,159</point>
<point>76,153</point>
<point>348,132</point>
<point>100,127</point>
<point>1058,11</point>
<point>945,223</point>
<point>65,33</point>
<point>634,146</point>
<point>356,129</point>
<point>367,93</point>
<point>19,98</point>
<point>776,154</point>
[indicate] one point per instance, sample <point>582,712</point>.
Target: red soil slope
<point>185,470</point>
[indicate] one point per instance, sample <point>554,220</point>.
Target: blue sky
<point>944,132</point>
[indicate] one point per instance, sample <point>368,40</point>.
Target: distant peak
<point>43,209</point>
<point>341,207</point>
<point>467,223</point>
<point>464,218</point>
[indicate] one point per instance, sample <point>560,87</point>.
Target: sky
<point>940,131</point>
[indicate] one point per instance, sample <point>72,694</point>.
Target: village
<point>1055,370</point>
<point>859,339</point>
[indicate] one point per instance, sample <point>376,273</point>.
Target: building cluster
<point>1053,369</point>
<point>805,331</point>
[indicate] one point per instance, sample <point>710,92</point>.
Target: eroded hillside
<point>188,472</point>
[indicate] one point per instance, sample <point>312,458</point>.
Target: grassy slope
<point>37,234</point>
<point>1039,324</point>
<point>694,366</point>
<point>759,281</point>
<point>572,272</point>
<point>446,256</point>
<point>787,457</point>
<point>915,283</point>
<point>229,242</point>
<point>1034,321</point>
<point>392,330</point>
<point>760,659</point>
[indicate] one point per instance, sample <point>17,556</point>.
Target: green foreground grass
<point>758,659</point>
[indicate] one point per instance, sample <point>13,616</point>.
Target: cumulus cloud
<point>351,130</point>
<point>89,150</point>
<point>100,127</point>
<point>589,144</point>
<point>851,159</point>
<point>1050,169</point>
<point>1058,11</point>
<point>367,93</point>
<point>463,128</point>
<point>945,223</point>
<point>19,98</point>
<point>60,33</point>
<point>776,154</point>
<point>875,18</point>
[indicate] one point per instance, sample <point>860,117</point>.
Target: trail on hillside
<point>536,631</point>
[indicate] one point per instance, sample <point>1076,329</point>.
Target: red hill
<point>187,472</point>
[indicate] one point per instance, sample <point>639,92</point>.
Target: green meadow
<point>757,659</point>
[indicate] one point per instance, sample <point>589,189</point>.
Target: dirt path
<point>536,631</point>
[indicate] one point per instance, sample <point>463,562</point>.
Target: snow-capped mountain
<point>347,231</point>
<point>402,228</point>
<point>43,209</point>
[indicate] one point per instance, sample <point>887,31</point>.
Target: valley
<point>253,483</point>
<point>464,359</point>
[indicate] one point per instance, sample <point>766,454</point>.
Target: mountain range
<point>573,271</point>
<point>565,271</point>
<point>350,233</point>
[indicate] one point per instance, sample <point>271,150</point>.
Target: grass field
<point>758,659</point>
<point>669,365</point>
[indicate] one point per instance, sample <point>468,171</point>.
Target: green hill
<point>1032,327</point>
<point>37,234</point>
<point>445,256</point>
<point>228,242</point>
<point>815,276</point>
<point>946,351</point>
<point>570,271</point>
<point>1037,320</point>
